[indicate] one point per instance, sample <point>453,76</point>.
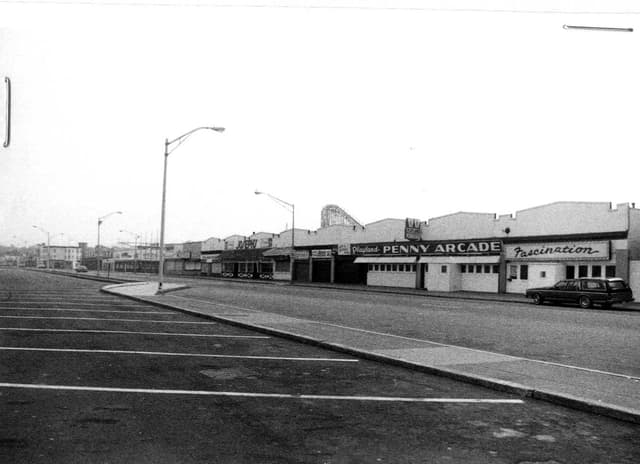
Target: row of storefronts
<point>558,241</point>
<point>474,252</point>
<point>488,265</point>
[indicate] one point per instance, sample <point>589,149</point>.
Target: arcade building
<point>475,252</point>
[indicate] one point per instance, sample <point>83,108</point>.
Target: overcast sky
<point>386,111</point>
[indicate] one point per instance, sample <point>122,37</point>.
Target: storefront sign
<point>344,249</point>
<point>472,247</point>
<point>412,229</point>
<point>325,253</point>
<point>560,251</point>
<point>246,244</point>
<point>301,254</point>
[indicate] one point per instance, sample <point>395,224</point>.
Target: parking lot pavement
<point>81,381</point>
<point>592,390</point>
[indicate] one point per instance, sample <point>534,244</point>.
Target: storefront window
<point>610,271</point>
<point>282,266</point>
<point>513,271</point>
<point>596,271</point>
<point>463,268</point>
<point>496,269</point>
<point>266,267</point>
<point>524,271</point>
<point>443,269</point>
<point>583,271</point>
<point>571,272</point>
<point>479,268</point>
<point>487,269</point>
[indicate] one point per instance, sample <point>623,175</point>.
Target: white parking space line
<point>104,319</point>
<point>127,332</point>
<point>89,310</point>
<point>161,353</point>
<point>66,302</point>
<point>389,399</point>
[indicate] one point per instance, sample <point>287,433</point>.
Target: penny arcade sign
<point>453,248</point>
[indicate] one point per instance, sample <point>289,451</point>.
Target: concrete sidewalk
<point>609,394</point>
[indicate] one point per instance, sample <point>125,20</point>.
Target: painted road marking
<point>91,310</point>
<point>394,399</point>
<point>103,319</point>
<point>127,332</point>
<point>515,358</point>
<point>161,353</point>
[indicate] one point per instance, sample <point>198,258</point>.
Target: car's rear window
<point>617,285</point>
<point>595,285</point>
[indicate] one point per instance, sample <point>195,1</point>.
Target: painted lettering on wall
<point>559,251</point>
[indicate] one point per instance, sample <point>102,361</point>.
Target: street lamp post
<point>100,221</point>
<point>135,249</point>
<point>291,206</point>
<point>167,152</point>
<point>48,244</point>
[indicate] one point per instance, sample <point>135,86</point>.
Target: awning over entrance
<point>284,251</point>
<point>493,259</point>
<point>212,258</point>
<point>385,260</point>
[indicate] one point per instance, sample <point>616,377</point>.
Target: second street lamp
<point>291,206</point>
<point>167,152</point>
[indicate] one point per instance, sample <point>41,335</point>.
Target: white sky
<point>387,112</point>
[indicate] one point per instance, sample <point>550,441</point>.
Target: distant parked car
<point>81,269</point>
<point>586,292</point>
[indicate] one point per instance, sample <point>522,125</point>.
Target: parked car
<point>81,269</point>
<point>585,291</point>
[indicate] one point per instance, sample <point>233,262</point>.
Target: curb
<point>572,402</point>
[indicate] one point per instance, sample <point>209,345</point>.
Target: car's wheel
<point>584,302</point>
<point>537,299</point>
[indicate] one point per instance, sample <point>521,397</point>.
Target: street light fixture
<point>100,221</point>
<point>167,152</point>
<point>292,207</point>
<point>48,244</point>
<point>135,249</point>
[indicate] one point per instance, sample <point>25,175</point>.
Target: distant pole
<point>98,249</point>
<point>100,221</point>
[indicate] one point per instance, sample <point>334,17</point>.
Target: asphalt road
<point>91,378</point>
